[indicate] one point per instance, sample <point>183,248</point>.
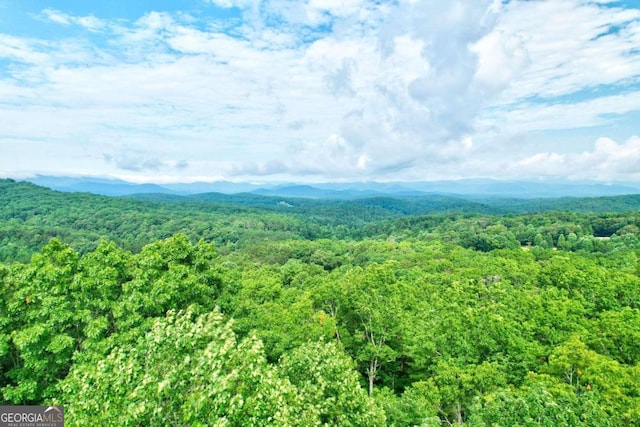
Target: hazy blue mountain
<point>118,189</point>
<point>487,187</point>
<point>314,192</point>
<point>360,210</point>
<point>225,187</point>
<point>470,188</point>
<point>106,187</point>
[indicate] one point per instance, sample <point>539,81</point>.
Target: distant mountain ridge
<point>309,191</point>
<point>469,188</point>
<point>364,208</point>
<point>105,187</point>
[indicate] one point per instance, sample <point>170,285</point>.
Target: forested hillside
<point>31,215</point>
<point>271,311</point>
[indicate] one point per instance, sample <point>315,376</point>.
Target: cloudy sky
<point>320,90</point>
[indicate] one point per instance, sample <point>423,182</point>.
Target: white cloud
<point>58,17</point>
<point>420,105</point>
<point>607,161</point>
<point>501,59</point>
<point>570,45</point>
<point>333,157</point>
<point>566,115</point>
<point>23,50</point>
<point>339,88</point>
<point>232,3</point>
<point>88,22</point>
<point>322,11</point>
<point>221,3</point>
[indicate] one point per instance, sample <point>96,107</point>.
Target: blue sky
<point>320,90</point>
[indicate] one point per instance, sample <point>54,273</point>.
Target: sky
<point>320,90</point>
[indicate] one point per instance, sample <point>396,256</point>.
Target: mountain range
<point>348,190</point>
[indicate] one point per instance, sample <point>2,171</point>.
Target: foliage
<point>186,370</point>
<point>328,385</point>
<point>338,313</point>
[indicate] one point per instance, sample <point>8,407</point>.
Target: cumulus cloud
<point>607,161</point>
<point>326,89</point>
<point>501,59</point>
<point>420,105</point>
<point>132,162</point>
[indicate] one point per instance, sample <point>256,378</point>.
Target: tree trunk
<point>371,372</point>
<point>333,312</point>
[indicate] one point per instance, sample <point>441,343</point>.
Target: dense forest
<point>257,310</point>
